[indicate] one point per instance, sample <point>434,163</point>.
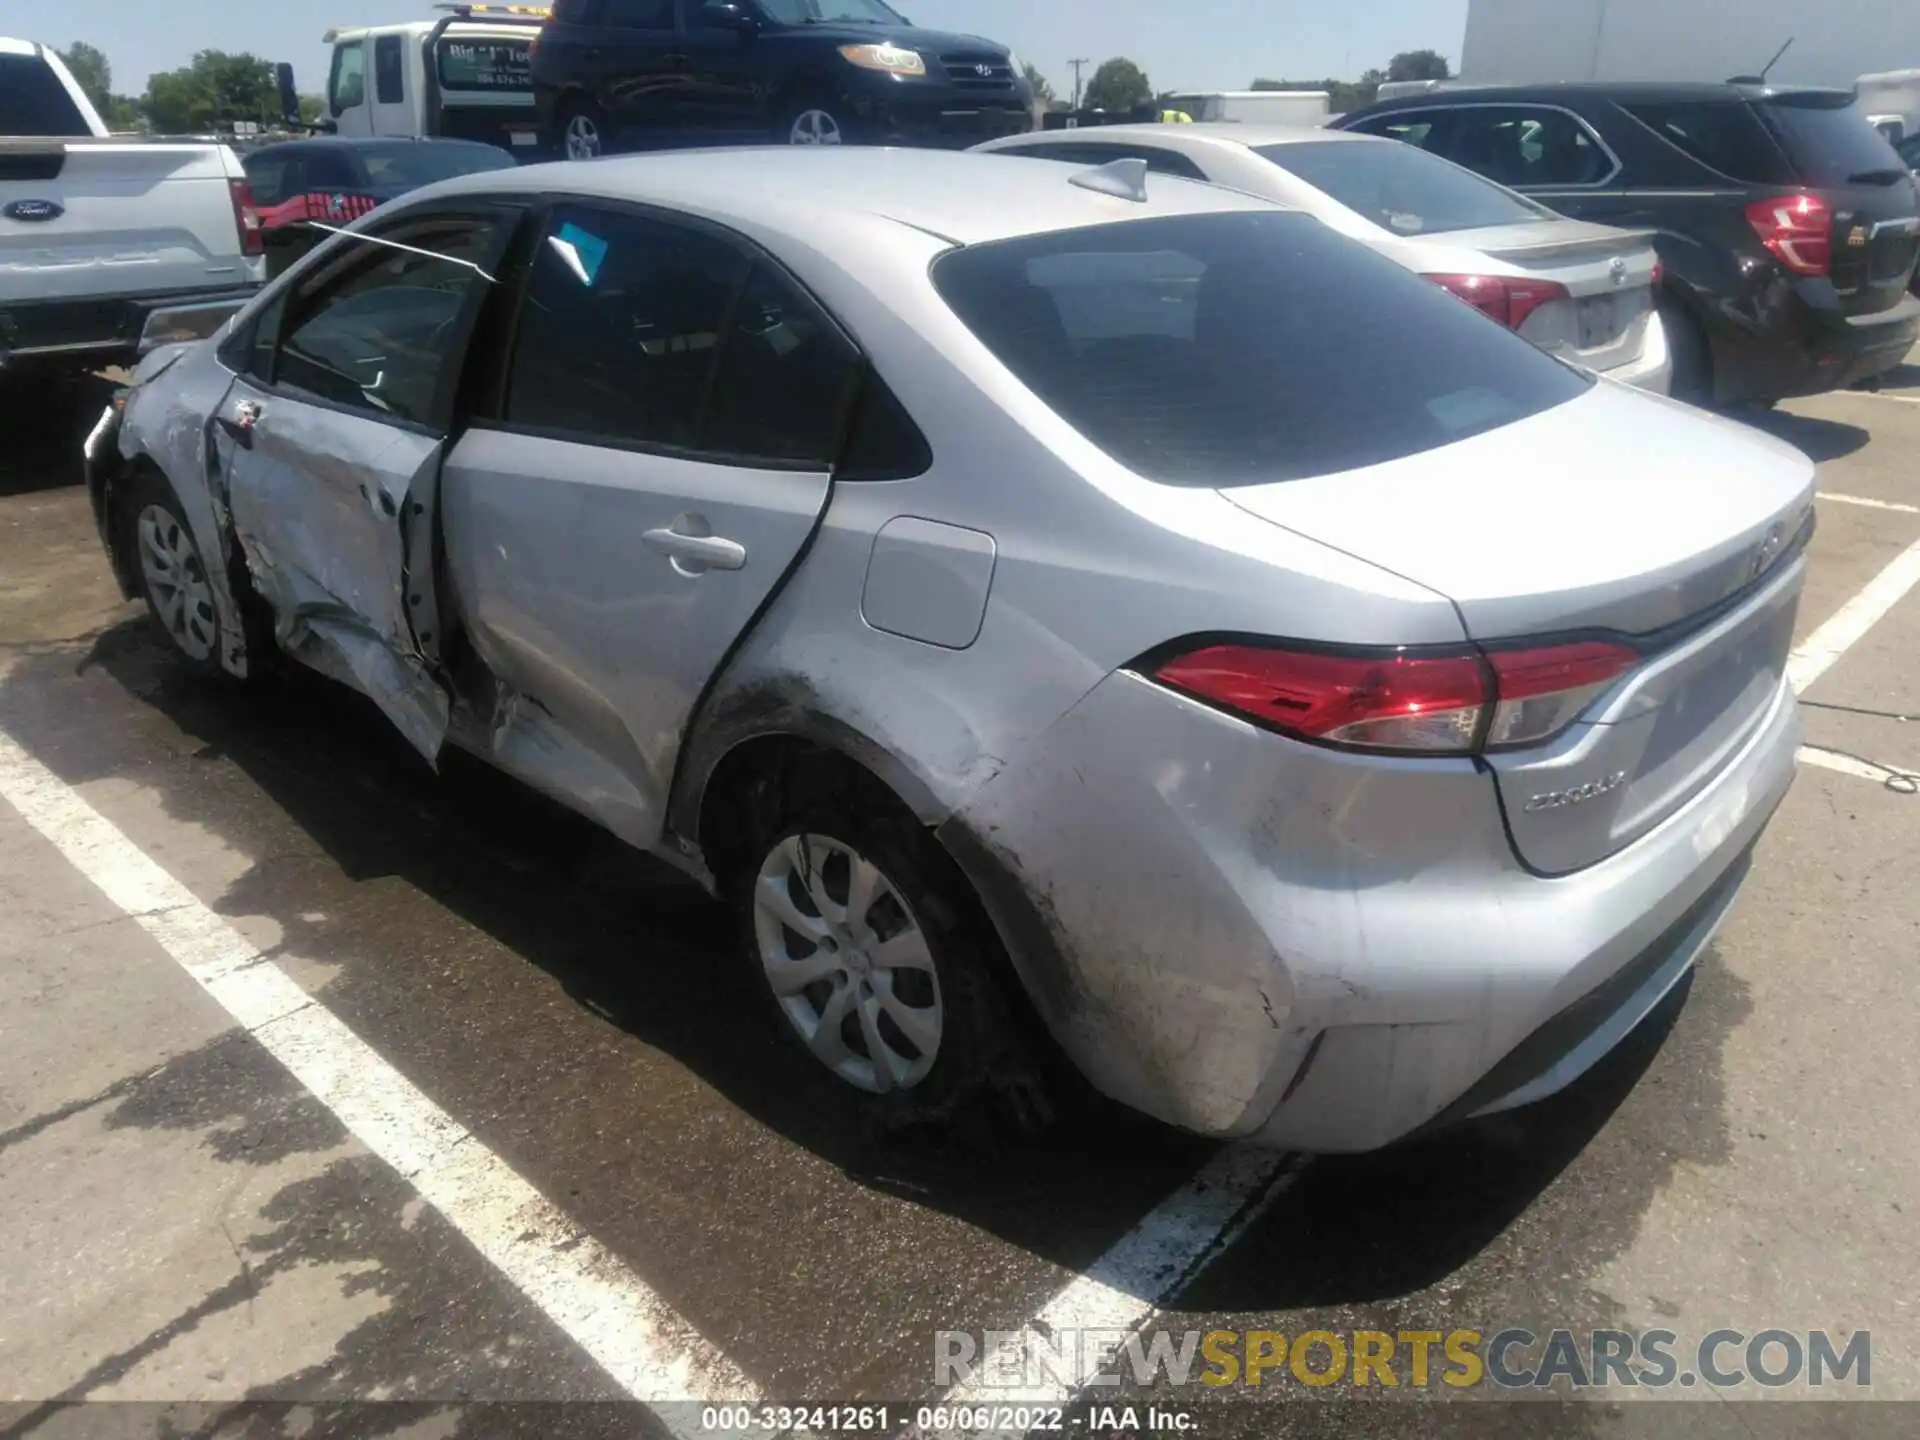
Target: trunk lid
<point>1608,275</point>
<point>1618,514</point>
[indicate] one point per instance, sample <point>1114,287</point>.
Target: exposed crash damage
<point>968,681</point>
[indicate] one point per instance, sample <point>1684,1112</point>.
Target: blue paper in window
<point>589,249</point>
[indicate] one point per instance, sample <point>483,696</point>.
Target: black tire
<point>1692,356</point>
<point>191,628</point>
<point>581,115</point>
<point>985,1082</point>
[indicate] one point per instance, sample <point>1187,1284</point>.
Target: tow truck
<point>464,76</point>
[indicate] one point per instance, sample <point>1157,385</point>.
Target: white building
<point>1834,41</point>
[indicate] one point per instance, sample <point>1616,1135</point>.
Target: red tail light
<point>246,219</point>
<point>1659,273</point>
<point>1798,229</point>
<point>1510,299</point>
<point>1445,704</point>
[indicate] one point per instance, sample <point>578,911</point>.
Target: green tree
<point>312,108</point>
<point>214,91</point>
<point>1118,84</point>
<point>91,69</point>
<point>1419,65</point>
<point>1042,91</point>
<point>1342,95</point>
<point>122,113</point>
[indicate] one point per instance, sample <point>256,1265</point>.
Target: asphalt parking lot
<point>338,1097</point>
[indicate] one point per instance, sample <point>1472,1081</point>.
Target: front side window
<point>378,330</point>
<point>1402,189</point>
<point>639,14</point>
<point>349,86</point>
<point>389,70</point>
<point>836,12</point>
<point>1243,348</point>
<point>1523,146</point>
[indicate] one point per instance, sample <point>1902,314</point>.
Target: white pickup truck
<point>104,241</point>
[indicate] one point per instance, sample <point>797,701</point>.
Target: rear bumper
<point>1326,951</point>
<point>93,334</point>
<point>1652,369</point>
<point>1812,348</point>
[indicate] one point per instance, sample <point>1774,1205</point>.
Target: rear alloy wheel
<point>582,138</point>
<point>849,963</point>
<point>816,127</point>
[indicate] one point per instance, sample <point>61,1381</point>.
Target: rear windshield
<point>1830,140</point>
<point>1402,189</point>
<point>501,66</point>
<point>1243,348</point>
<point>411,166</point>
<point>1724,135</point>
<point>34,102</point>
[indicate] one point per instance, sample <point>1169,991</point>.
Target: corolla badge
<point>34,212</point>
<point>1578,795</point>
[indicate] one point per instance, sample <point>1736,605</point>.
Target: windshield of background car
<point>1401,189</point>
<point>832,12</point>
<point>411,166</point>
<point>1243,348</point>
<point>492,65</point>
<point>1829,139</point>
<point>34,102</point>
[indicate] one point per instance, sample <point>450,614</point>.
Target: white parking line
<point>1881,395</point>
<point>1819,650</point>
<point>1125,1288</point>
<point>1869,503</point>
<point>609,1311</point>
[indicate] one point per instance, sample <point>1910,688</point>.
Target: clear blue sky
<point>1182,44</point>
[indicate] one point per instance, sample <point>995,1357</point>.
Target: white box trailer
<point>1892,102</point>
<point>1835,42</point>
<point>1263,107</point>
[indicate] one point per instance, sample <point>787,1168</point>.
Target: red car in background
<point>301,185</point>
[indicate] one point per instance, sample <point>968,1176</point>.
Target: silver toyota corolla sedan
<point>1056,608</point>
<point>1584,292</point>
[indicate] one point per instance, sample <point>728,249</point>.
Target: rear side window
<point>1244,348</point>
<point>620,331</point>
<point>1727,137</point>
<point>639,332</point>
<point>1829,140</point>
<point>34,102</point>
<point>389,71</point>
<point>1401,189</point>
<point>1522,146</point>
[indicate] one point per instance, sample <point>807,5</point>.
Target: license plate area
<point>1603,319</point>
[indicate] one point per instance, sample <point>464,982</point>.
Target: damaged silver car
<point>1055,608</point>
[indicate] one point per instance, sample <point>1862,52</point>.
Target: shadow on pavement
<point>638,946</point>
<point>43,424</point>
<point>1819,440</point>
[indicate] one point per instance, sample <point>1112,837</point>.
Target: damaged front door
<point>335,442</point>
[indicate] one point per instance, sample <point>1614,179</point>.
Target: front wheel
<point>173,574</point>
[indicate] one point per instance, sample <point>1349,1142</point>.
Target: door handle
<point>710,552</point>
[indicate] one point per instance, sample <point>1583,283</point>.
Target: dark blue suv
<point>632,74</point>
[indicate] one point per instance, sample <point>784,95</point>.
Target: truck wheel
<point>172,574</point>
<point>583,134</point>
<point>871,951</point>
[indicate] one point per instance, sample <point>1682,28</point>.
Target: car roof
<point>1644,91</point>
<point>961,196</point>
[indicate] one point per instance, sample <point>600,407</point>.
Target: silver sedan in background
<point>1584,292</point>
<point>1056,611</point>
